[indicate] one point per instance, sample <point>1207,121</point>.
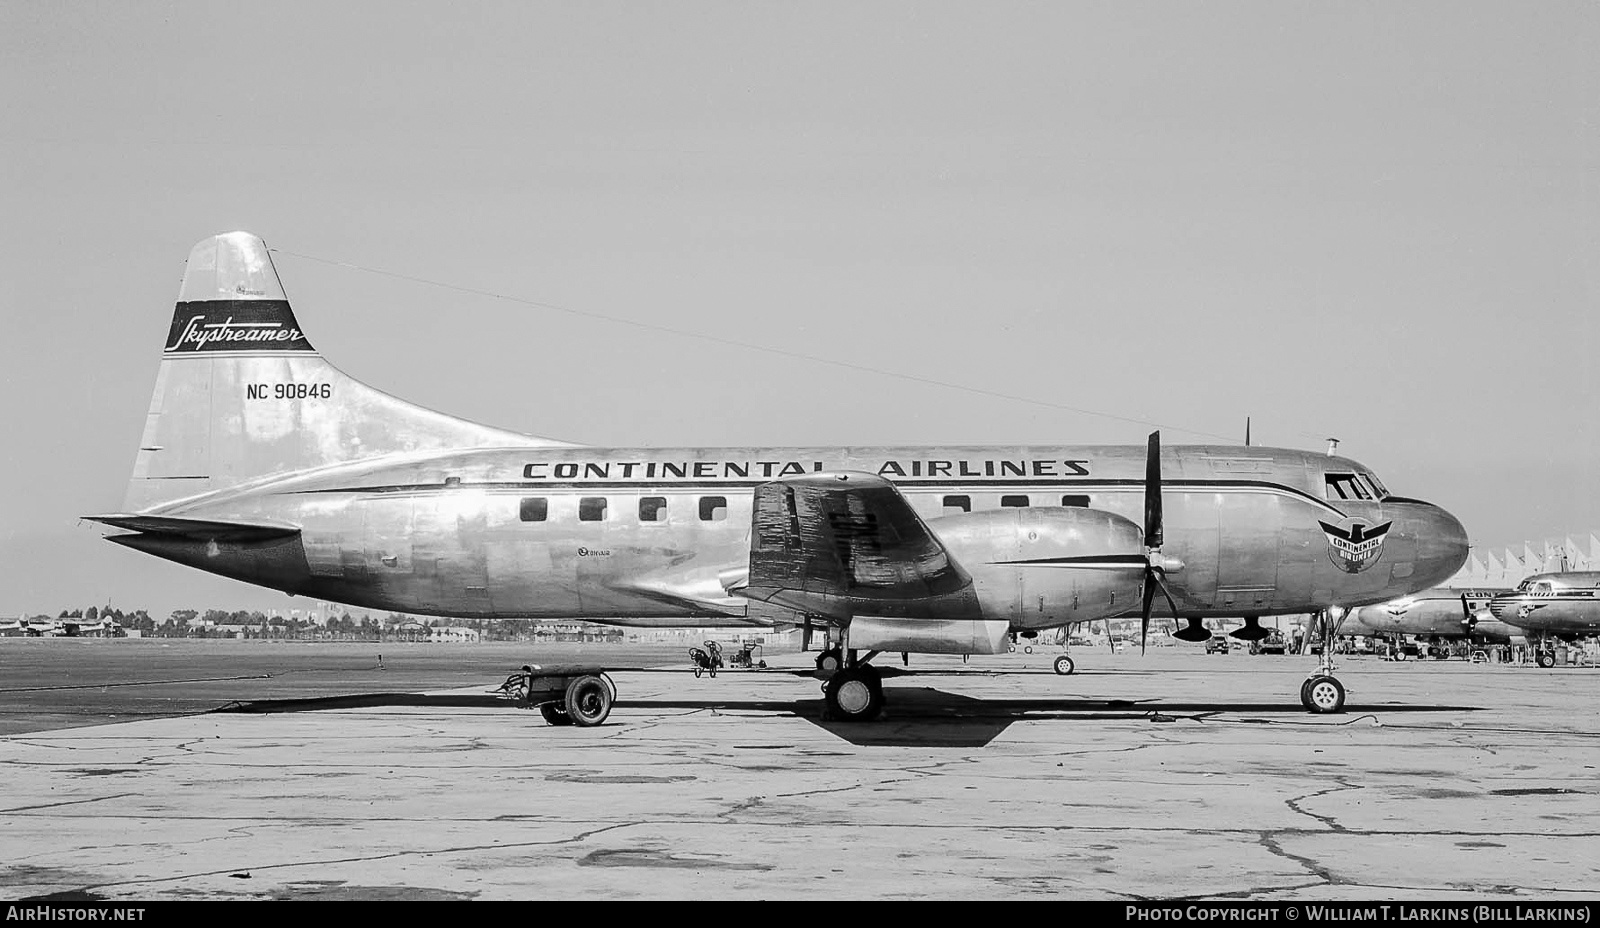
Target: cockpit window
<point>1543,588</point>
<point>1377,484</point>
<point>1346,486</point>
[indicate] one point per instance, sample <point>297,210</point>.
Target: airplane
<point>263,462</point>
<point>1434,617</point>
<point>1550,607</point>
<point>62,628</point>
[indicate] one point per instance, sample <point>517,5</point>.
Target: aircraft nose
<point>1441,542</point>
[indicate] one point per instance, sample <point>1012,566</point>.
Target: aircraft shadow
<point>927,717</point>
<point>913,716</point>
<point>367,701</point>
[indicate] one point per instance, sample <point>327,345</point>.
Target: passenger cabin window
<point>535,509</point>
<point>713,508</point>
<point>653,509</point>
<point>1081,502</point>
<point>957,504</point>
<point>1013,501</point>
<point>592,509</point>
<point>1345,486</point>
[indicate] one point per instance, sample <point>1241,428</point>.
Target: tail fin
<point>241,394</point>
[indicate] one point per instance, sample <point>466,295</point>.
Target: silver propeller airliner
<point>263,462</point>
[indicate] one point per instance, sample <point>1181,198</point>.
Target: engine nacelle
<point>1040,568</point>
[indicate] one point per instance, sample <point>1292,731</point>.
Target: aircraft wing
<point>842,544</point>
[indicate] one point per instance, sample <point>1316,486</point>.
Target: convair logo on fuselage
<point>235,325</point>
<point>768,470</point>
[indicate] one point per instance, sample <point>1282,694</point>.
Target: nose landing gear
<point>1322,693</point>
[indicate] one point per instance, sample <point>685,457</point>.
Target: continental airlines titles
<point>714,470</point>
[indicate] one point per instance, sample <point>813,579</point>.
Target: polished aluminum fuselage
<point>1561,605</point>
<point>450,534</point>
<point>1434,613</point>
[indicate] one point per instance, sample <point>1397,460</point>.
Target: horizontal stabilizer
<point>212,529</point>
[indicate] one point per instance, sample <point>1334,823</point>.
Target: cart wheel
<point>713,672</point>
<point>554,714</point>
<point>588,701</point>
<point>763,665</point>
<point>697,673</point>
<point>1064,665</point>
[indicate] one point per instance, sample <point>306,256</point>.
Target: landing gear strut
<point>1322,692</point>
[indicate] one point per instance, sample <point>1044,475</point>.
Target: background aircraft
<point>1433,617</point>
<point>261,461</point>
<point>1552,607</point>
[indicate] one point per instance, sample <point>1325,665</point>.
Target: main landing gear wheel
<point>1322,694</point>
<point>853,695</point>
<point>588,701</point>
<point>828,662</point>
<point>1546,659</point>
<point>1064,665</point>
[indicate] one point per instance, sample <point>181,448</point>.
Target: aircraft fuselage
<point>642,536</point>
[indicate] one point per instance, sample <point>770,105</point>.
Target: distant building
<point>449,633</point>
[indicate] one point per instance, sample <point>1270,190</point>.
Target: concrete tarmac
<point>1173,775</point>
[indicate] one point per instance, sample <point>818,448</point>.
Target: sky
<point>629,224</point>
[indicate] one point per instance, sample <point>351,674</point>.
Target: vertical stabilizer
<point>241,393</point>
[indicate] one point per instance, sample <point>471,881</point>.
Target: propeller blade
<point>1144,614</point>
<point>1152,493</point>
<point>1163,587</point>
<point>1467,618</point>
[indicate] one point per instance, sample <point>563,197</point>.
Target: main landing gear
<point>1322,692</point>
<point>852,689</point>
<point>853,694</point>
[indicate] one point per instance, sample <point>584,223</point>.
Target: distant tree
<point>182,616</point>
<point>93,615</point>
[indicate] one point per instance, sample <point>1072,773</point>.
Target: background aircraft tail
<point>242,395</point>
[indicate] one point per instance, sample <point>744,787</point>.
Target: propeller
<point>1153,572</point>
<point>1467,618</point>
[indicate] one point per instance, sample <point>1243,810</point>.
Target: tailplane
<point>241,394</point>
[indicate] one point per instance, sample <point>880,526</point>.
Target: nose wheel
<point>1064,665</point>
<point>1322,694</point>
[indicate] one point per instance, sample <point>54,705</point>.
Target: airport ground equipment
<point>748,658</point>
<point>565,694</point>
<point>708,659</point>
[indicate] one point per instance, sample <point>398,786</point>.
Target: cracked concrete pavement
<point>1173,775</point>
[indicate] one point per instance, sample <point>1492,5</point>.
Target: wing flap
<point>842,544</point>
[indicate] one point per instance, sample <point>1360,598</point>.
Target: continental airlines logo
<point>731,470</point>
<point>1355,544</point>
<point>235,325</point>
